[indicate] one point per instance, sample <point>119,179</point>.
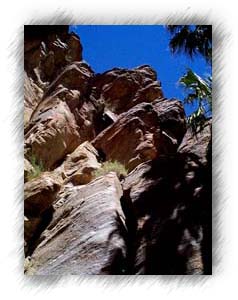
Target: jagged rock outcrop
<point>52,133</point>
<point>47,50</point>
<point>74,76</point>
<point>156,219</point>
<point>40,193</point>
<point>80,165</point>
<point>122,89</point>
<point>145,132</point>
<point>171,205</point>
<point>86,233</point>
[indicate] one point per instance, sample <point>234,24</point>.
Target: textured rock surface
<point>39,196</point>
<point>122,89</point>
<point>74,76</point>
<point>32,97</point>
<point>198,144</point>
<point>157,220</point>
<point>171,205</point>
<point>40,193</point>
<point>47,52</point>
<point>85,235</point>
<point>79,166</point>
<point>145,132</point>
<point>52,133</point>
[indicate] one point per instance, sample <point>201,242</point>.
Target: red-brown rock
<point>32,97</point>
<point>122,89</point>
<point>74,76</point>
<point>145,132</point>
<point>48,49</point>
<point>52,133</point>
<point>40,193</point>
<point>80,165</point>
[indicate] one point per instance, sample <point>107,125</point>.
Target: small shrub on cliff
<point>111,166</point>
<point>37,166</point>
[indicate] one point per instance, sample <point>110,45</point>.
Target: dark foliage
<point>192,40</point>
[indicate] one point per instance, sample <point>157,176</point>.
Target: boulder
<point>145,132</point>
<point>86,234</point>
<point>170,200</point>
<point>52,133</point>
<point>79,166</point>
<point>40,193</point>
<point>122,89</point>
<point>74,76</point>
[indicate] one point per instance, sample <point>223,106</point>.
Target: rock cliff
<point>115,182</point>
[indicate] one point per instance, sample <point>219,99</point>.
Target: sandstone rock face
<point>52,133</point>
<point>52,59</point>
<point>156,219</point>
<point>32,96</point>
<point>74,76</point>
<point>39,196</point>
<point>40,193</point>
<point>197,144</point>
<point>171,205</point>
<point>79,166</point>
<point>122,89</point>
<point>143,133</point>
<point>49,51</point>
<point>85,234</point>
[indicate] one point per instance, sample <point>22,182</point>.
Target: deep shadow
<point>172,205</point>
<point>35,240</point>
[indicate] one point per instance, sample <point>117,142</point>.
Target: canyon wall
<point>81,218</point>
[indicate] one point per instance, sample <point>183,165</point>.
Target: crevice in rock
<point>35,240</point>
<point>101,155</point>
<point>131,224</point>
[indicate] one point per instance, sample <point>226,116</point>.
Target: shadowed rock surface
<point>171,203</point>
<point>154,220</point>
<point>40,193</point>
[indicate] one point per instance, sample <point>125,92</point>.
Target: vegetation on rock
<point>38,168</point>
<point>111,166</point>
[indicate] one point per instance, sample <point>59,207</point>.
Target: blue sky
<point>128,46</point>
